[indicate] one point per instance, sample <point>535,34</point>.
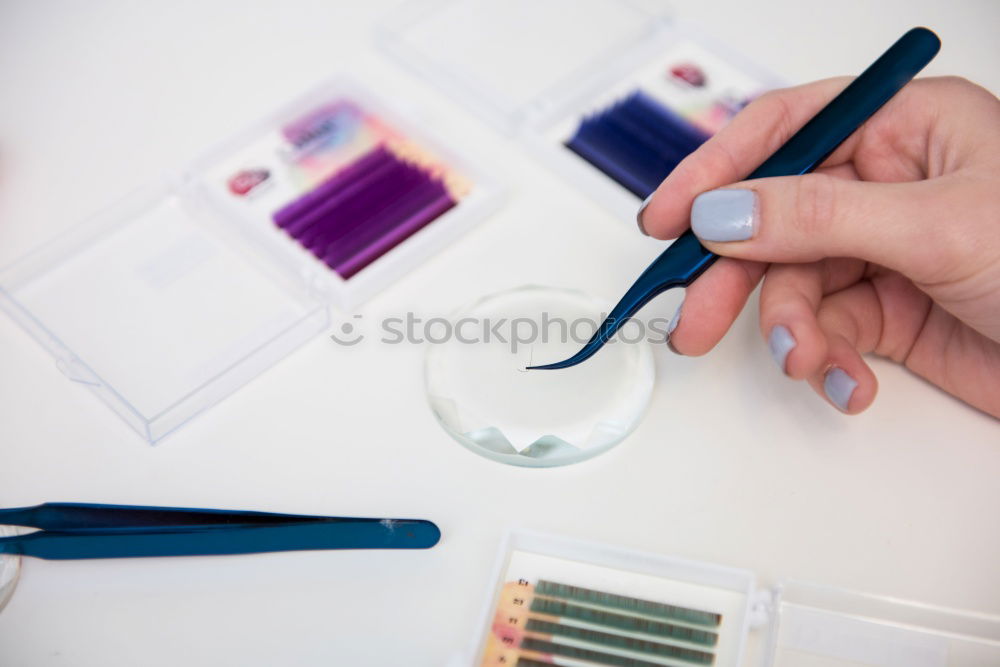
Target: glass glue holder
<point>483,396</point>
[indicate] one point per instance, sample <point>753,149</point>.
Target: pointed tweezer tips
<point>554,366</point>
<point>586,353</point>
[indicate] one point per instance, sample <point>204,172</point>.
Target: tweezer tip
<point>565,363</point>
<point>589,350</point>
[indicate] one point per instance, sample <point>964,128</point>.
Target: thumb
<point>903,226</point>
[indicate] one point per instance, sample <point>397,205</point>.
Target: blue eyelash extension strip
<point>637,142</point>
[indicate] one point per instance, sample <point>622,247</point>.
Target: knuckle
<point>815,207</point>
<point>775,105</point>
<point>768,101</point>
<point>953,88</point>
<point>952,92</point>
<point>720,159</point>
<point>955,82</point>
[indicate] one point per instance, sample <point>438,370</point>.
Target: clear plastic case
<point>798,624</point>
<point>534,72</point>
<point>10,569</point>
<point>178,295</point>
<point>818,625</point>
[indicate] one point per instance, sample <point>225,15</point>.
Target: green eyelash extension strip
<point>528,662</point>
<point>660,610</point>
<point>622,622</point>
<point>598,657</point>
<point>619,642</point>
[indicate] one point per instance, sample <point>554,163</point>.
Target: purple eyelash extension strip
<point>364,210</point>
<point>354,261</point>
<point>379,229</point>
<point>350,265</point>
<point>383,208</point>
<point>352,215</point>
<point>355,214</point>
<point>355,192</point>
<point>343,187</point>
<point>284,216</point>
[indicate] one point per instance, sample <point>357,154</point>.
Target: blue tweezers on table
<point>68,531</point>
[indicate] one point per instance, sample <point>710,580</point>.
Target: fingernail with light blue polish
<point>781,342</point>
<point>675,320</point>
<point>724,215</point>
<point>638,214</point>
<point>839,386</point>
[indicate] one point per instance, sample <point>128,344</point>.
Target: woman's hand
<point>891,247</point>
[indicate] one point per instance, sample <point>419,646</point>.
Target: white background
<point>734,464</point>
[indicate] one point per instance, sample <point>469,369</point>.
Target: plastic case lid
<point>534,70</point>
<point>517,62</point>
<point>170,300</point>
<point>155,311</point>
<point>818,626</point>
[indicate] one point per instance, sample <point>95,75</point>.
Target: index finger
<point>736,150</point>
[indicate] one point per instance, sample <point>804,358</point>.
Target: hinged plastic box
<point>171,299</point>
<point>533,70</point>
<point>794,624</point>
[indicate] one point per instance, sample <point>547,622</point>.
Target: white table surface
<point>733,464</point>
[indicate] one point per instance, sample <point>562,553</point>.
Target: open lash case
<point>178,295</point>
<point>536,73</point>
<point>561,601</point>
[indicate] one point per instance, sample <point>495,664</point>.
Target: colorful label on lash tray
<point>700,85</point>
<point>328,138</point>
<point>243,182</point>
<point>705,88</point>
<point>283,164</point>
<point>689,74</point>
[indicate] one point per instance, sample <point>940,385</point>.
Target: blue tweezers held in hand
<point>686,259</point>
<point>69,531</point>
